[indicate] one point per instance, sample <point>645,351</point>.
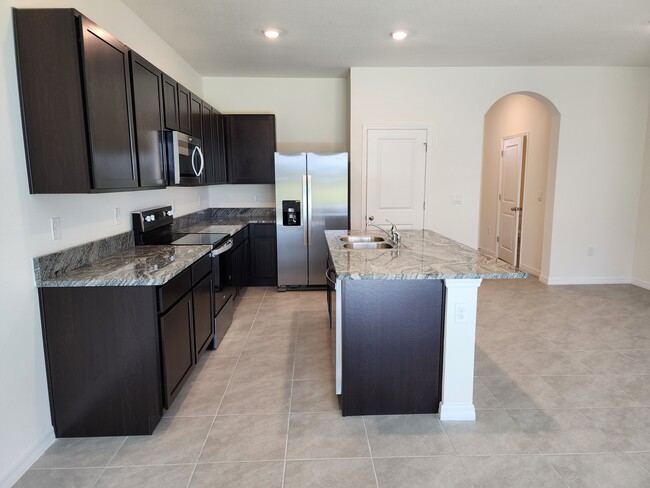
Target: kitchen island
<point>406,322</point>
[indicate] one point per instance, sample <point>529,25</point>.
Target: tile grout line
<point>214,419</point>
<point>110,460</point>
<point>458,456</point>
<point>293,373</point>
<point>372,459</point>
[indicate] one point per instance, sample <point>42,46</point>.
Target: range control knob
<point>170,213</point>
<point>150,218</point>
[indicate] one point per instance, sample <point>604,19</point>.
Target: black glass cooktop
<point>199,239</point>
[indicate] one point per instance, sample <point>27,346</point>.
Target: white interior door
<point>396,177</point>
<point>512,160</point>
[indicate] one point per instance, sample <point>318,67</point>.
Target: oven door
<point>223,292</point>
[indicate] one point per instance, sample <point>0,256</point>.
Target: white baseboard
<point>641,283</point>
<point>530,270</point>
<point>457,412</point>
<point>14,473</point>
<point>588,281</point>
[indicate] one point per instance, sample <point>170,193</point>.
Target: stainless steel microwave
<point>185,159</point>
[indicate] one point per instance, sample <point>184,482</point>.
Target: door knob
<point>371,217</point>
<point>516,209</point>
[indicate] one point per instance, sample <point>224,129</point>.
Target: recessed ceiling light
<point>271,33</point>
<point>398,35</point>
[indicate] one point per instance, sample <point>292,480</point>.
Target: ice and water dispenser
<point>291,213</point>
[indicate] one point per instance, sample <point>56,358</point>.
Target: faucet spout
<point>393,235</point>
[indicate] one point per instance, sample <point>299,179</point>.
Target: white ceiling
<point>323,38</point>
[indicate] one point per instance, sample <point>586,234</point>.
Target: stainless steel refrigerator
<point>311,196</point>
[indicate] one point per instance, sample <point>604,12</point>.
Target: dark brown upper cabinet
<point>184,110</point>
<point>147,85</point>
<point>75,95</point>
<point>170,100</point>
<point>207,143</point>
<point>196,110</point>
<point>250,148</point>
<point>218,149</point>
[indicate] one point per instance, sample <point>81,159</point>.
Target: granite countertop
<point>230,226</point>
<point>137,266</point>
<point>421,254</point>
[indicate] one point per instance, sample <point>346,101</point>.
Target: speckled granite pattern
<point>61,262</point>
<point>231,229</point>
<point>137,266</point>
<point>422,254</point>
<point>224,216</point>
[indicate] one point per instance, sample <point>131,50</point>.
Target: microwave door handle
<point>176,158</point>
<point>202,160</point>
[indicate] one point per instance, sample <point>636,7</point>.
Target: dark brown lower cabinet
<point>177,347</point>
<point>263,255</point>
<point>116,355</point>
<point>102,356</point>
<point>202,296</point>
<point>392,346</point>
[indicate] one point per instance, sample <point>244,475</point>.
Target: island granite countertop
<point>136,266</point>
<point>421,255</point>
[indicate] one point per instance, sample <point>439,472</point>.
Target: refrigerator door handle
<point>309,213</point>
<point>306,217</point>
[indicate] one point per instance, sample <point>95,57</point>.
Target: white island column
<point>458,351</point>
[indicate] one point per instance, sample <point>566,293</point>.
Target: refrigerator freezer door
<point>327,181</point>
<point>291,184</point>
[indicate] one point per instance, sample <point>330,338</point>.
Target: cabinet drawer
<point>172,291</point>
<point>201,268</point>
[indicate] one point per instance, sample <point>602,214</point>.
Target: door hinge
<point>424,205</point>
<point>501,153</point>
<point>497,238</point>
<point>426,146</point>
<point>499,196</point>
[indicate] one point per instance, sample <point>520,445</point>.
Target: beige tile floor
<point>562,391</point>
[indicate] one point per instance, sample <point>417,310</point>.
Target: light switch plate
<point>55,225</point>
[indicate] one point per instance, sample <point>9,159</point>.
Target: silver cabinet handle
<point>516,209</point>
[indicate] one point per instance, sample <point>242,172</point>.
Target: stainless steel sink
<point>368,245</point>
<point>362,238</point>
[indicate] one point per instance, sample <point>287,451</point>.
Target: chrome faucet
<point>393,235</point>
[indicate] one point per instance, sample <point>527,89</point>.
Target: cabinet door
<point>108,106</point>
<point>207,144</point>
<point>203,315</point>
<point>263,255</point>
<point>148,121</point>
<point>170,99</point>
<point>196,110</point>
<point>177,350</point>
<point>250,148</point>
<point>219,148</point>
<point>184,110</point>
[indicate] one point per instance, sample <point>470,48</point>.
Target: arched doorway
<point>534,121</point>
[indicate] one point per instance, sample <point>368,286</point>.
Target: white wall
<point>604,113</point>
<point>25,426</point>
<point>516,115</point>
<point>312,114</point>
<point>641,270</point>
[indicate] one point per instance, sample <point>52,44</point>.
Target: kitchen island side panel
<point>392,346</point>
<point>103,360</point>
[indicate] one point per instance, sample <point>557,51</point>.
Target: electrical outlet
<point>117,213</point>
<point>489,230</point>
<point>55,225</point>
<point>462,313</point>
<point>254,198</point>
<point>590,250</point>
<point>227,197</point>
<point>456,199</point>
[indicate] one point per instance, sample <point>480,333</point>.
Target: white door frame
<point>364,166</point>
<point>522,192</point>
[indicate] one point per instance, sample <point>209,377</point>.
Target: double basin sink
<point>365,242</point>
